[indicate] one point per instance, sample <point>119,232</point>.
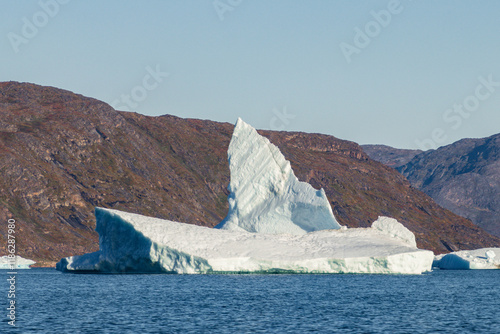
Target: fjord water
<point>441,301</point>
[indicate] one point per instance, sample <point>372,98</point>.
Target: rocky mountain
<point>390,156</point>
<point>463,177</point>
<point>62,154</point>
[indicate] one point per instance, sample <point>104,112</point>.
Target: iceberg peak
<point>265,195</point>
<point>395,229</point>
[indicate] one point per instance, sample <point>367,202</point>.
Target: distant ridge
<point>62,154</point>
<point>463,177</point>
<point>392,157</point>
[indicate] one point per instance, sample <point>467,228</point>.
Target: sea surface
<point>48,301</point>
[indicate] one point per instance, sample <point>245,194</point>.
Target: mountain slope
<point>392,157</point>
<point>463,177</point>
<point>62,154</point>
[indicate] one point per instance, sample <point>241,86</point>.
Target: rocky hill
<point>62,154</point>
<point>390,156</point>
<point>463,177</point>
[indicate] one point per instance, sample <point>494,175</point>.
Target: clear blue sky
<point>292,65</point>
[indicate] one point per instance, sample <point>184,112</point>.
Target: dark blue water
<point>441,301</point>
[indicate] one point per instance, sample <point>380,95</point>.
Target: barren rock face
<point>62,154</point>
<point>463,177</point>
<point>392,157</point>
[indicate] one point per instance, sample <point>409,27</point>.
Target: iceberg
<point>265,195</point>
<point>483,258</point>
<point>139,244</point>
<point>19,263</point>
<point>275,224</point>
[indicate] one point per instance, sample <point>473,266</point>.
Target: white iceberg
<point>134,243</point>
<point>483,258</point>
<point>19,262</point>
<point>275,224</point>
<point>266,196</point>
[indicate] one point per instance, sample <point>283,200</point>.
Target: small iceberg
<point>275,224</point>
<point>19,262</point>
<point>483,258</point>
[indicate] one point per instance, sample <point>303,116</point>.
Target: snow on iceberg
<point>19,263</point>
<point>265,195</point>
<point>395,229</point>
<point>134,243</point>
<point>483,258</point>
